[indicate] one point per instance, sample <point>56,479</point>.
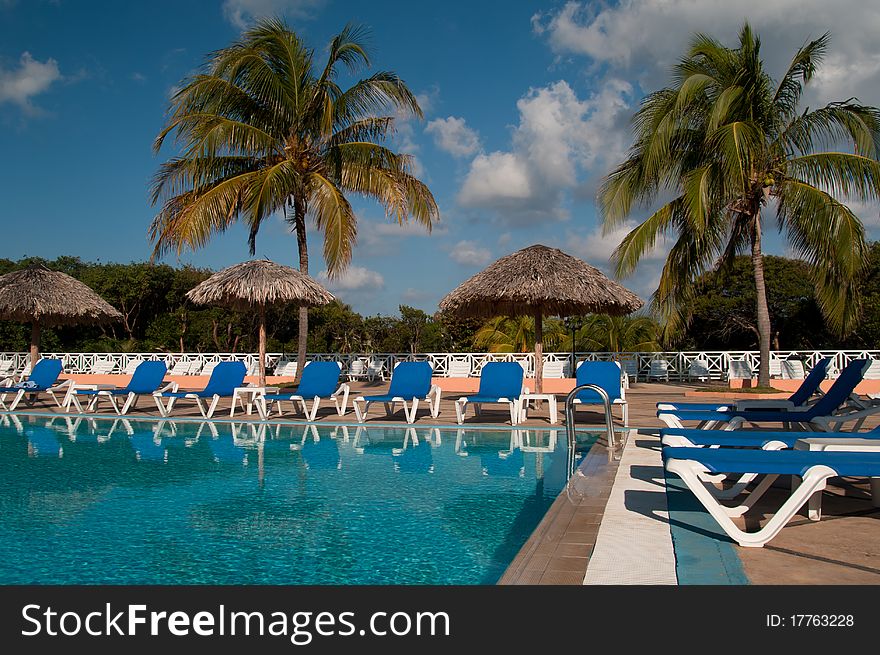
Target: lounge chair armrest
<point>171,386</point>
<point>767,403</point>
<point>435,389</point>
<point>834,422</point>
<point>343,388</point>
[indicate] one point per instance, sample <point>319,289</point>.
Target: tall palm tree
<point>727,141</point>
<point>264,130</point>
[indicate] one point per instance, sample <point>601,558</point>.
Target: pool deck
<point>612,525</point>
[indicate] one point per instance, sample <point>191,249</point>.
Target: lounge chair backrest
<point>147,377</point>
<point>458,368</point>
<point>873,372</point>
<point>102,366</point>
<point>602,374</point>
<point>699,368</point>
<point>501,380</point>
<point>319,379</point>
<point>225,377</point>
<point>132,365</point>
<point>793,369</point>
<point>46,373</point>
<point>843,386</point>
<point>411,380</point>
<point>553,369</point>
<point>811,383</point>
<point>739,369</point>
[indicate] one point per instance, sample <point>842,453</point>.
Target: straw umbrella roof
<point>539,278</point>
<point>37,294</point>
<point>259,282</point>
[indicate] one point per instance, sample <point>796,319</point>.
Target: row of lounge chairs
<point>411,384</point>
<point>729,459</point>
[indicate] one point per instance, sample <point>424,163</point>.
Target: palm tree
<point>725,140</point>
<point>263,130</point>
<point>615,334</point>
<point>516,334</point>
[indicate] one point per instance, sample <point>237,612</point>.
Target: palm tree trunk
<point>539,352</point>
<point>35,343</point>
<point>262,346</point>
<point>299,217</point>
<point>763,311</point>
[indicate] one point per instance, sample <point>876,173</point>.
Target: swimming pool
<point>116,501</point>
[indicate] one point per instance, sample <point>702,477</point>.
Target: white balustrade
<point>680,366</point>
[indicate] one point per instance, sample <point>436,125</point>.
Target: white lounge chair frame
<point>21,393</point>
<point>410,405</point>
<point>130,399</point>
<point>516,405</point>
<point>310,412</point>
<point>692,473</point>
<point>207,410</point>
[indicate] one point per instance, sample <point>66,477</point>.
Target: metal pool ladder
<point>569,421</point>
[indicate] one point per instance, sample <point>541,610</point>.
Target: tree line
<point>157,317</point>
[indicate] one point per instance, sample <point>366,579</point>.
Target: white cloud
<point>18,85</point>
<point>496,178</point>
<point>355,278</point>
<point>596,247</point>
<point>242,13</point>
<point>643,38</point>
<point>558,137</point>
<point>452,135</point>
<point>469,253</point>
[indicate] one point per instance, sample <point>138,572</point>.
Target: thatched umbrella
<point>539,281</point>
<point>42,297</point>
<point>256,284</point>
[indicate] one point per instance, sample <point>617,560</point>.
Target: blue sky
<point>526,107</point>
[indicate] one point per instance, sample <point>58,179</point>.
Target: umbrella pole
<point>35,343</point>
<point>262,345</point>
<point>539,352</point>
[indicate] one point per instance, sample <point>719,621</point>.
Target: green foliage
<point>517,334</point>
<point>159,318</point>
<point>724,316</point>
<point>603,333</point>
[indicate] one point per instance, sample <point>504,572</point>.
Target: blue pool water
<point>144,502</point>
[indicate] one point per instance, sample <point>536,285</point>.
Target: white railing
<point>640,366</point>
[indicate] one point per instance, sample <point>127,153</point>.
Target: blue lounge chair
<point>146,380</point>
<point>500,382</point>
<point>225,378</point>
<point>797,400</point>
<point>319,380</point>
<point>410,383</point>
<point>833,399</point>
<point>606,375</point>
<point>814,468</point>
<point>41,380</point>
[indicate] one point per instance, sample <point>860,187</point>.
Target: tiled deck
<point>841,549</point>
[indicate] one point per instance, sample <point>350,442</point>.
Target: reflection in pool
<point>121,501</point>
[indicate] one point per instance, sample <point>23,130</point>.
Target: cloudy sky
<point>527,106</point>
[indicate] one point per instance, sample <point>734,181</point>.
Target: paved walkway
<point>634,545</point>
